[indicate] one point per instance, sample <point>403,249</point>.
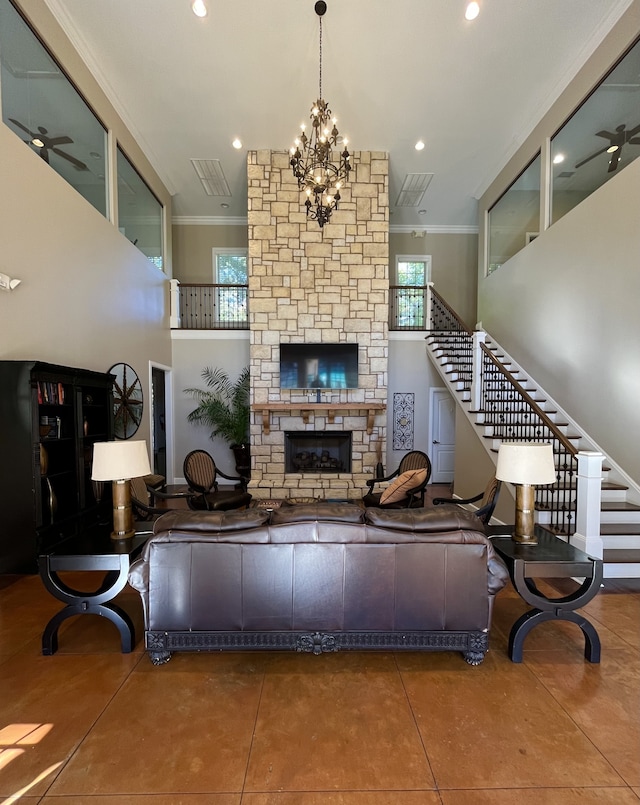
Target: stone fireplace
<point>314,285</point>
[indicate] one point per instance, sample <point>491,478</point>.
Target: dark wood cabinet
<point>50,417</point>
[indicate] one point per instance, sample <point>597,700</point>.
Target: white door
<point>443,435</point>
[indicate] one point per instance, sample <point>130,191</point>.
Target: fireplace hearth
<point>317,451</point>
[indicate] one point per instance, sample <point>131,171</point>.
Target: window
<point>514,220</point>
<point>230,276</point>
<point>601,138</point>
<point>408,294</point>
<point>139,211</point>
<point>42,107</point>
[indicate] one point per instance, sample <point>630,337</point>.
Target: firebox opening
<point>317,451</point>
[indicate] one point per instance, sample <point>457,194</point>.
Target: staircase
<point>502,402</point>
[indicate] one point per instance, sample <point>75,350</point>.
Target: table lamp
<point>118,462</point>
<point>525,465</point>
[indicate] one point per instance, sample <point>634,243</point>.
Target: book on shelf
<point>50,393</point>
<point>50,427</point>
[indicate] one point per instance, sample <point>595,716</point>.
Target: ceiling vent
<point>565,174</point>
<point>212,177</point>
<point>413,189</point>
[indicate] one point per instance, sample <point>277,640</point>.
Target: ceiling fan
<point>621,136</point>
<point>44,144</point>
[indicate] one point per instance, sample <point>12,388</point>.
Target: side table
<point>550,558</point>
<point>93,550</point>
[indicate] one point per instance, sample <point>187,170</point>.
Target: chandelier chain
<point>321,173</point>
<point>320,69</point>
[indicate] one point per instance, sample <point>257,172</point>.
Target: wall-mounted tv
<point>318,366</point>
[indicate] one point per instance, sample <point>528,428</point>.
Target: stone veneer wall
<point>317,285</point>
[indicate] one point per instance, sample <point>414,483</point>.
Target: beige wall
<point>474,468</point>
<point>88,297</point>
<point>454,266</point>
<point>566,306</point>
<point>410,371</point>
<point>193,245</point>
<point>191,354</point>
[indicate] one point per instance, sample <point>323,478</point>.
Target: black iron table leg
<point>534,617</point>
<point>112,612</point>
<point>553,558</point>
<point>83,603</point>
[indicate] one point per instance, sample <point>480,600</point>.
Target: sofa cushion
<point>210,522</point>
<point>305,512</point>
<point>436,519</point>
<point>403,483</point>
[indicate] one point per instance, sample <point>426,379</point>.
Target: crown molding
<point>221,220</point>
<point>434,229</point>
<point>209,220</point>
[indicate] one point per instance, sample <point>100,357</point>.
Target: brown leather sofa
<point>316,578</point>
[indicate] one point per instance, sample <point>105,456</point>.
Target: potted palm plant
<point>224,407</point>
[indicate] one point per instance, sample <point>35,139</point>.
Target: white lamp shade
<point>526,463</point>
<point>117,461</point>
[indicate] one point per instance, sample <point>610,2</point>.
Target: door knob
<point>435,441</point>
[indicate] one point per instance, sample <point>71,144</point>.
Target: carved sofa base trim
<point>160,644</point>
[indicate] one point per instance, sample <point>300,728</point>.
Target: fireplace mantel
<point>306,409</point>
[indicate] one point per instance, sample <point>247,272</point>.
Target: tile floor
<point>91,725</point>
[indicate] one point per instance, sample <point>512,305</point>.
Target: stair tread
<point>626,555</point>
<point>619,529</point>
<point>622,506</point>
<point>613,486</point>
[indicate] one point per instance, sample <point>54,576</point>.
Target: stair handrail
<point>461,325</point>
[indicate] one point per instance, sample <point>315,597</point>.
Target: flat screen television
<point>318,366</point>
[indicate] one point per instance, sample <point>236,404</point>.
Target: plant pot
<point>242,456</point>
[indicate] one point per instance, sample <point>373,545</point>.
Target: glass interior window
<point>600,139</point>
<point>139,211</point>
<point>42,107</point>
<point>514,220</point>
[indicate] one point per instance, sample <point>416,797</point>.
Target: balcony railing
<point>210,307</point>
<point>201,306</point>
<point>407,307</point>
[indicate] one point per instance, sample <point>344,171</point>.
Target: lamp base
<point>122,513</point>
<point>524,532</point>
<point>118,536</point>
<point>524,539</point>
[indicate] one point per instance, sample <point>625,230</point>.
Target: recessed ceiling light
<point>472,11</point>
<point>422,212</point>
<point>237,143</point>
<point>558,158</point>
<point>94,154</point>
<point>419,145</point>
<point>199,9</point>
<point>224,205</point>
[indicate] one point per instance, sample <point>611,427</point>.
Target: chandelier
<point>312,159</point>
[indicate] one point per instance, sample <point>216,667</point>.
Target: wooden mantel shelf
<point>306,409</point>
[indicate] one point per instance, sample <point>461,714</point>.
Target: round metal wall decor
<point>127,400</point>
